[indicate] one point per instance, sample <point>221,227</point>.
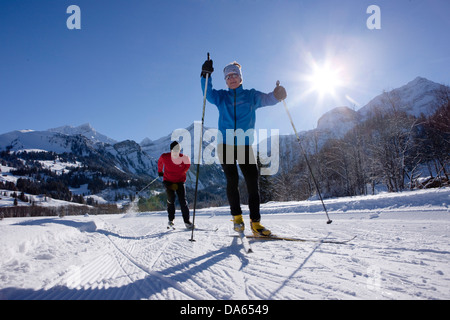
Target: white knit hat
<point>233,67</point>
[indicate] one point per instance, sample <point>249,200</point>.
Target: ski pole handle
<point>279,92</point>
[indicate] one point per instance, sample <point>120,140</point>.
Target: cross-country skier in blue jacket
<point>237,115</point>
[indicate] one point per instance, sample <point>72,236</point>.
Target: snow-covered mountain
<point>338,121</point>
<point>46,141</point>
<point>140,160</point>
<point>125,160</point>
<point>157,147</point>
<point>85,130</point>
<point>131,158</point>
<point>126,156</point>
<point>416,97</point>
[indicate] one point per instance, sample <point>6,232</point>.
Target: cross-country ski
<point>245,242</point>
<point>275,237</point>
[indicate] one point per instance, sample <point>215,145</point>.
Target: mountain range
<point>131,160</point>
<point>417,97</point>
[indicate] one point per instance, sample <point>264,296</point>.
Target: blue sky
<point>132,70</point>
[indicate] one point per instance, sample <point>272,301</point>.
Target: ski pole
<point>306,159</point>
<point>147,186</point>
<point>135,201</point>
<point>199,155</point>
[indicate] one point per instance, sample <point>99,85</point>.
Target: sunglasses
<point>231,75</point>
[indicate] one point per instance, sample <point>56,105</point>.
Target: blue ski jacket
<point>237,111</point>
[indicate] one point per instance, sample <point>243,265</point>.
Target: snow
<point>30,139</point>
<point>39,200</point>
<point>59,167</point>
<point>416,97</point>
<point>402,251</point>
<point>85,130</point>
<point>338,121</point>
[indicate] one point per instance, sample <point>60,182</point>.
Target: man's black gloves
<point>279,92</point>
<point>207,68</point>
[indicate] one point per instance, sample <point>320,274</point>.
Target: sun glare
<point>324,80</point>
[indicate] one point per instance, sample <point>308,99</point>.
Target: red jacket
<point>174,172</point>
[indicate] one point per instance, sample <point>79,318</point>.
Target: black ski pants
<point>180,190</point>
<point>229,157</point>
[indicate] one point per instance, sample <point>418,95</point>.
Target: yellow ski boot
<point>238,222</point>
<point>259,230</point>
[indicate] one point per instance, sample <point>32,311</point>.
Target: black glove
<point>279,92</point>
<point>160,174</point>
<point>207,68</point>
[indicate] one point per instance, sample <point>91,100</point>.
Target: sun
<point>327,80</point>
<point>324,79</point>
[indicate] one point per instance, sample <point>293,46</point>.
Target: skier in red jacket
<point>172,166</point>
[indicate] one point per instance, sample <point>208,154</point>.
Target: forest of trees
<point>36,179</point>
<point>391,149</point>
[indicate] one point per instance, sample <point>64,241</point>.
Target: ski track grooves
<point>137,258</point>
<point>154,274</point>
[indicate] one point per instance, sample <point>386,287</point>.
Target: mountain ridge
<point>414,98</point>
<point>130,160</point>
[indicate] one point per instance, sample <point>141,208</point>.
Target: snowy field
<point>402,251</point>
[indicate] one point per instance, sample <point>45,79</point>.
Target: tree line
<point>390,148</point>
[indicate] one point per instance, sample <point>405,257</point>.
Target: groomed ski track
<point>398,254</point>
